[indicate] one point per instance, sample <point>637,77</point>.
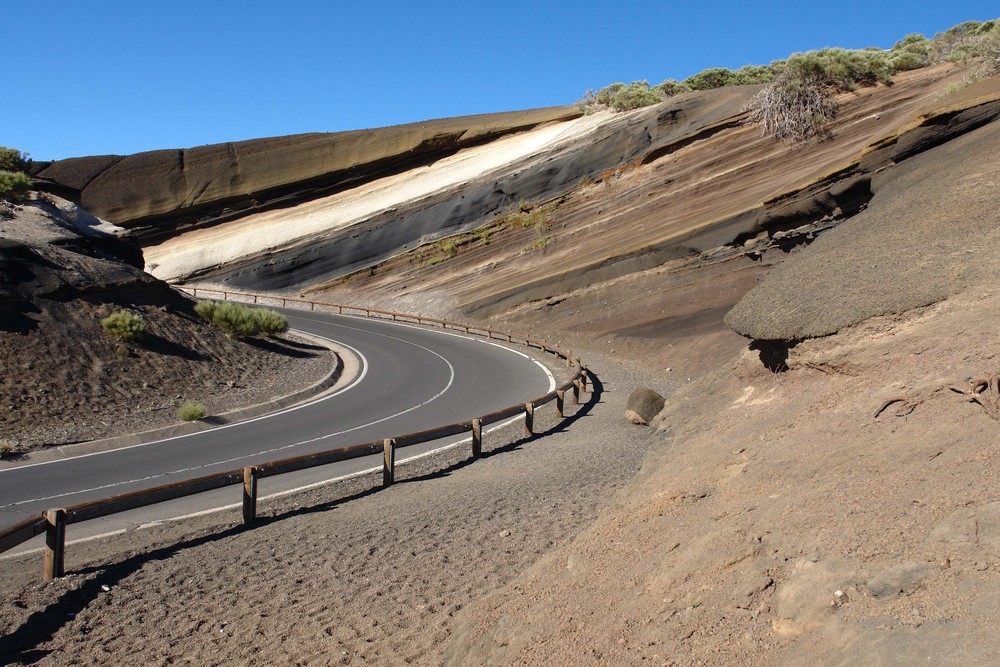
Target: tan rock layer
<point>154,188</point>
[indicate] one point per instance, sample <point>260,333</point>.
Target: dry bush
<point>794,109</point>
<point>990,49</point>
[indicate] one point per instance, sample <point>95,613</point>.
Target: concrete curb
<point>342,374</point>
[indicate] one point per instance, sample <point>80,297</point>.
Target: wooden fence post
<point>249,495</point>
<point>55,543</point>
<point>576,392</point>
<point>388,461</point>
<point>529,418</point>
<point>560,402</point>
<point>583,380</point>
<point>569,359</point>
<point>477,438</point>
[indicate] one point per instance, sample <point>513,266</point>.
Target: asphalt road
<point>411,379</point>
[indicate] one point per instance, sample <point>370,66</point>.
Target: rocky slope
<point>64,380</point>
<point>840,511</point>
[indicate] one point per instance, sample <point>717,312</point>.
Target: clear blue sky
<point>88,77</point>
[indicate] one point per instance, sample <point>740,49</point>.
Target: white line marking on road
<point>356,382</point>
<point>448,385</point>
<point>365,365</point>
<point>277,494</point>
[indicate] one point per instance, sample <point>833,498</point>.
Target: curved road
<point>410,379</point>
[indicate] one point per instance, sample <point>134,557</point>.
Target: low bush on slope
<point>14,182</point>
<point>241,321</point>
<point>124,326</point>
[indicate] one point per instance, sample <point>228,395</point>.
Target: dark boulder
<point>643,405</point>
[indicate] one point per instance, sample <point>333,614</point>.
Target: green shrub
<point>714,77</point>
<point>270,323</point>
<point>912,52</point>
<point>799,102</point>
<point>960,43</point>
<point>12,159</point>
<point>14,185</point>
<point>635,96</point>
<point>190,412</point>
<point>990,50</point>
<point>620,97</point>
<point>235,319</point>
<point>239,321</point>
<point>670,87</point>
<point>124,326</point>
<point>206,309</point>
<point>447,246</point>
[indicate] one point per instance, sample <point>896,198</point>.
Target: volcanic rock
<point>643,405</point>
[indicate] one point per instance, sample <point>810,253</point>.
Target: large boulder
<point>643,405</point>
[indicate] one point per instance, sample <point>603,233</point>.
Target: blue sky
<point>97,77</point>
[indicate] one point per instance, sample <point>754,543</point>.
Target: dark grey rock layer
<point>931,230</point>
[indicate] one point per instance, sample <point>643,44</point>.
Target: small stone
<point>902,579</point>
<point>839,599</point>
<point>945,564</point>
<point>504,533</point>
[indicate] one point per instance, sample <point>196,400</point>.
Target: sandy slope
<point>768,494</point>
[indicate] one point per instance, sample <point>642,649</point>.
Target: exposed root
<point>985,393</point>
<point>907,406</point>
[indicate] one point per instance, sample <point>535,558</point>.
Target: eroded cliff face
<point>157,191</point>
<point>358,229</point>
<point>625,193</point>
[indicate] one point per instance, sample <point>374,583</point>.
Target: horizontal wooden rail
<point>124,502</point>
<point>21,532</point>
<point>307,461</point>
<point>433,434</point>
<point>53,522</point>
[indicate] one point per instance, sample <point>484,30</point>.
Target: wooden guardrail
<point>53,522</point>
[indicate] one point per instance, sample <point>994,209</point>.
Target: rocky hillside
<point>65,380</point>
<point>834,505</point>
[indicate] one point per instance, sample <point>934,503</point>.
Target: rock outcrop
<point>620,140</point>
<point>910,246</point>
<point>55,251</point>
<point>157,191</point>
